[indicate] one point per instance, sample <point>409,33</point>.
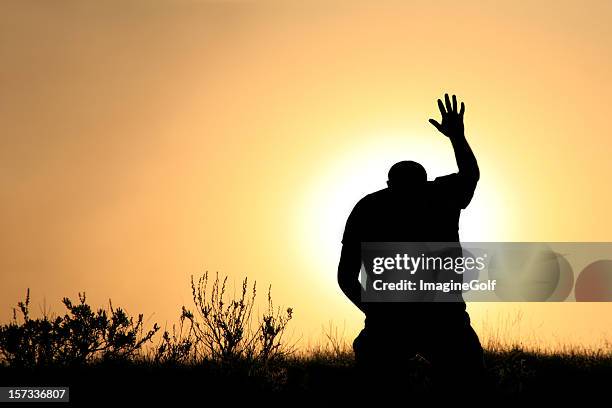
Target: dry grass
<point>223,347</point>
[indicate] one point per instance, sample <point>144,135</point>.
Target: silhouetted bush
<point>78,337</point>
<point>221,325</point>
<point>271,330</point>
<point>176,347</point>
<point>223,328</point>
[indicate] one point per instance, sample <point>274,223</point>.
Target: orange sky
<point>145,141</point>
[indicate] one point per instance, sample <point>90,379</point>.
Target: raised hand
<point>452,121</point>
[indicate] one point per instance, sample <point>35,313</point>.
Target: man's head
<point>406,175</point>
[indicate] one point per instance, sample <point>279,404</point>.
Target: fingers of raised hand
<point>447,101</point>
<point>441,107</point>
<point>447,106</point>
<point>436,124</point>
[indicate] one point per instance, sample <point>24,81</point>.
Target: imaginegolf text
<point>446,287</point>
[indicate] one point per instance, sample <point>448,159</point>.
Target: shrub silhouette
<point>178,347</point>
<point>78,337</point>
<point>271,330</point>
<point>223,328</point>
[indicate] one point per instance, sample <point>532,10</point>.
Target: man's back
<point>386,217</point>
<point>428,214</point>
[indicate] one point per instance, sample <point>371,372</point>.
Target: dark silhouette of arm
<point>466,161</point>
<point>348,273</point>
<point>350,257</point>
<point>453,128</point>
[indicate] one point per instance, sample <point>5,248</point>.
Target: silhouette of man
<point>412,209</point>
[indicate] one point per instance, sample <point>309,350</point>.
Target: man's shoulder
<point>456,189</point>
<point>363,214</point>
<point>373,198</point>
<point>444,184</point>
<point>445,179</point>
<point>369,204</point>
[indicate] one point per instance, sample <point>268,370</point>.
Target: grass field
<point>221,352</point>
<point>321,377</point>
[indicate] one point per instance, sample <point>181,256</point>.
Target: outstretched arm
<point>452,127</point>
